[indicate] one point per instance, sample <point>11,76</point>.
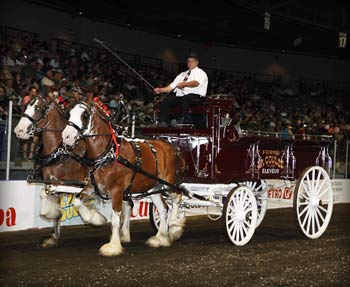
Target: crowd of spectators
<point>29,67</point>
<point>277,109</point>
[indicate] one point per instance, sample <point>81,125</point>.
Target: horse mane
<point>60,107</point>
<point>101,109</point>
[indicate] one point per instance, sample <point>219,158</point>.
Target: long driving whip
<point>125,63</point>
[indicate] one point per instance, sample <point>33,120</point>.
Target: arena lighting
<point>267,20</point>
<point>342,39</point>
<point>179,35</point>
<point>80,13</point>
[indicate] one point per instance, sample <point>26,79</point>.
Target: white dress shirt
<point>197,74</point>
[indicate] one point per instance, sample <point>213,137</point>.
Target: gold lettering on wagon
<point>272,161</point>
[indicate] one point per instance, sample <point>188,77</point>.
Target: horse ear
<point>89,98</point>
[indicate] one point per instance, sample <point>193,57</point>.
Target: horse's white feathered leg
<point>161,238</point>
<point>114,247</point>
<point>176,224</point>
<point>89,215</point>
<point>50,207</point>
<point>54,239</point>
<point>125,229</point>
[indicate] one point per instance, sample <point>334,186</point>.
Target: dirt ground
<point>276,256</point>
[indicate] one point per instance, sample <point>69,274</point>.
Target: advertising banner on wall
<point>16,205</point>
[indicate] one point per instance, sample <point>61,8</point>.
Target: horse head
<point>34,112</point>
<point>79,123</point>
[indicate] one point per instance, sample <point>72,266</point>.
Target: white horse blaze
<point>22,128</point>
<point>70,134</point>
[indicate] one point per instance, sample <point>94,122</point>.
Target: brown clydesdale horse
<point>119,170</point>
<point>55,163</point>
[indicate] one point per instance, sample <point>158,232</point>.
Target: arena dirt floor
<point>276,256</point>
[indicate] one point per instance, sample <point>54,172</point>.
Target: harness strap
<point>128,164</point>
<point>69,123</point>
<point>29,118</point>
<point>136,167</point>
<point>94,183</point>
<point>114,138</point>
<point>154,152</point>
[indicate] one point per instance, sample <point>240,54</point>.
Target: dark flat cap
<point>193,55</point>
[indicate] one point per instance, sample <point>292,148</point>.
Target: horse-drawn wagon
<point>230,173</point>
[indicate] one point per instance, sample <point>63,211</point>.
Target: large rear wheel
<point>313,202</point>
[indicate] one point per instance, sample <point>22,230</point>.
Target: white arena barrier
<point>20,204</point>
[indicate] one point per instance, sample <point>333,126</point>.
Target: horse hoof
<point>158,241</point>
<point>97,219</point>
<point>111,249</point>
<point>125,238</point>
<point>48,242</point>
<point>175,232</point>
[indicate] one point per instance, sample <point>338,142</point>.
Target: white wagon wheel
<point>240,215</point>
<point>313,202</point>
<point>260,191</point>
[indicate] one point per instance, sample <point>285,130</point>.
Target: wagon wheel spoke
<point>323,193</point>
<point>308,184</point>
<point>244,228</point>
<point>306,217</point>
<point>317,220</point>
<point>232,226</point>
<point>320,188</point>
<point>241,231</point>
<point>313,181</point>
<point>243,200</point>
<point>313,221</point>
<point>323,209</point>
<point>309,222</point>
<point>317,181</point>
<point>304,194</point>
<point>320,214</point>
<point>304,210</point>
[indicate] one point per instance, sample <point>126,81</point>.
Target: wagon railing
<point>283,136</point>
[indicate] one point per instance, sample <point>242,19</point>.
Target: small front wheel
<point>240,215</point>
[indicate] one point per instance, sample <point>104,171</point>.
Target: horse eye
<point>37,108</point>
<point>85,116</point>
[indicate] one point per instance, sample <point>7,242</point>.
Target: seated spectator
<point>286,132</point>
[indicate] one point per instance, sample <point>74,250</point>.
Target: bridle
<point>34,126</point>
<point>81,130</point>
